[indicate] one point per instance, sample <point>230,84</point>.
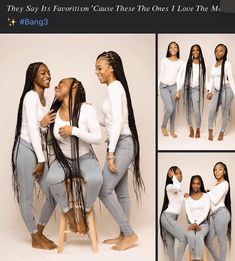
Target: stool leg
<point>189,254</point>
<point>61,233</point>
<point>204,256</point>
<point>92,231</point>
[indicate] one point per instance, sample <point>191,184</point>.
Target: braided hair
<point>227,200</point>
<point>115,61</point>
<point>188,75</point>
<point>28,86</point>
<point>71,166</point>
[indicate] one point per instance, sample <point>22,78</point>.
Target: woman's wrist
<point>110,155</point>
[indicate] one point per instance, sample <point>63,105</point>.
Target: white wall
<point>193,164</point>
<point>74,55</point>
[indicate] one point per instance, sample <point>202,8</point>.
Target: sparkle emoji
<point>11,21</point>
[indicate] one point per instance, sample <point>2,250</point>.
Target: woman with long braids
<point>197,206</point>
<point>194,88</point>
<point>220,223</point>
<point>172,204</point>
<point>123,147</point>
<point>170,79</point>
<point>28,160</point>
<point>76,127</point>
<point>224,89</point>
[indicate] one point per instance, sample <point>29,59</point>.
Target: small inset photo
<point>196,91</point>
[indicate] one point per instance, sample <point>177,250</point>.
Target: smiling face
<point>219,172</point>
<point>220,52</point>
<point>62,89</point>
<point>195,52</point>
<point>104,71</point>
<point>43,77</point>
<point>173,49</point>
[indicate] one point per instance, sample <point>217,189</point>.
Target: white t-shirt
<point>217,195</point>
<point>32,113</point>
<point>216,76</point>
<point>115,114</point>
<point>197,210</point>
<point>171,72</point>
<point>175,196</point>
<point>88,131</point>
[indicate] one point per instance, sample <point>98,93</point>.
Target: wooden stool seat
<point>64,227</point>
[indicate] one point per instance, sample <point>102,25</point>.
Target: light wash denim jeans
<point>193,103</point>
<point>25,164</point>
<point>119,206</point>
<point>218,227</point>
<point>196,240</point>
<point>225,103</point>
<point>168,93</point>
<point>91,172</point>
<point>172,231</point>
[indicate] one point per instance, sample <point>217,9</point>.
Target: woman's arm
<point>206,209</point>
<point>188,211</point>
<point>30,105</point>
<point>216,195</point>
<point>93,135</point>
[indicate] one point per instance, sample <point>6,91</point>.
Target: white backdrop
<point>208,42</point>
<point>193,164</point>
<point>69,55</point>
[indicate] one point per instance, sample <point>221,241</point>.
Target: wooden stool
<point>64,227</point>
<point>204,256</point>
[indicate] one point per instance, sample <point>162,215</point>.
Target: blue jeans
<point>168,93</point>
<point>25,164</point>
<point>225,103</point>
<point>172,231</point>
<point>193,102</point>
<point>196,240</point>
<point>119,206</point>
<point>218,227</point>
<point>91,172</point>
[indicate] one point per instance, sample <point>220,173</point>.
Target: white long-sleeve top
<point>115,114</point>
<point>217,195</point>
<point>194,79</point>
<point>32,113</point>
<point>88,131</point>
<point>216,76</point>
<point>171,72</point>
<point>175,196</point>
<point>197,210</point>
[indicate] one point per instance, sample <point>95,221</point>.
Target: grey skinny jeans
<point>172,231</point>
<point>91,172</point>
<point>194,102</point>
<point>168,93</point>
<point>119,206</point>
<point>218,227</point>
<point>26,163</point>
<point>225,103</point>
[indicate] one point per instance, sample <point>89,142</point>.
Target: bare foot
<point>116,240</point>
<point>70,215</point>
<point>197,133</point>
<point>191,132</point>
<point>126,243</point>
<point>221,136</point>
<point>39,242</point>
<point>165,132</point>
<point>210,136</point>
<point>173,134</point>
<point>40,231</point>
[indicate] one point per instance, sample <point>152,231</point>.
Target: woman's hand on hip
<point>65,131</point>
<point>39,169</point>
<point>111,162</point>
